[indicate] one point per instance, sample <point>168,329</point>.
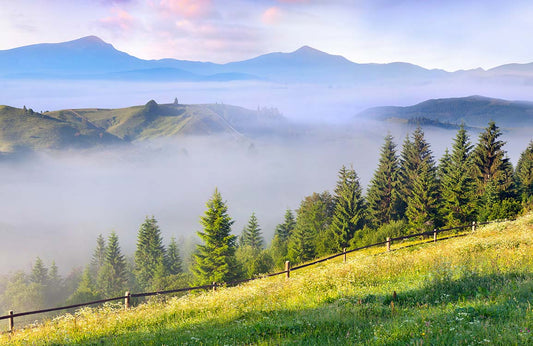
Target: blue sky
<point>435,34</point>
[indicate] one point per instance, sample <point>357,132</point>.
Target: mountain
<point>474,111</point>
<point>22,129</point>
<point>91,58</point>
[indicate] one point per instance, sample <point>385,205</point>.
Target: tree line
<point>410,192</point>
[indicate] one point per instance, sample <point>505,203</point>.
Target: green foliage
<point>419,183</point>
<point>85,292</point>
<point>383,196</point>
<point>253,261</point>
<point>524,173</point>
<point>215,258</point>
<point>150,252</point>
<point>392,229</point>
<point>312,221</point>
<point>457,184</point>
<point>99,254</point>
<point>112,277</point>
<point>278,247</point>
<point>174,262</point>
<point>349,214</point>
<point>39,273</point>
<point>491,163</point>
<point>251,234</point>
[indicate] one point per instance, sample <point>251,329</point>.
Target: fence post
<point>388,243</point>
<point>127,300</point>
<point>11,322</point>
<point>287,269</point>
<point>434,235</point>
<point>473,226</point>
<point>214,286</point>
<point>344,251</point>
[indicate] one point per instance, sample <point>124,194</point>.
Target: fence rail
<point>11,315</point>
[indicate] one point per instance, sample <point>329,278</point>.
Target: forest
<point>410,192</point>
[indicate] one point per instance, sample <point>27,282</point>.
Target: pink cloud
<point>188,8</point>
<point>272,15</point>
<point>120,19</point>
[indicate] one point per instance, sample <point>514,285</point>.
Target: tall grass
<point>471,290</point>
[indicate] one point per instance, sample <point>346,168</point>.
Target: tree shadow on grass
<point>472,308</point>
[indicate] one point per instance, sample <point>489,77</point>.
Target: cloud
<point>188,8</point>
<point>272,15</point>
<point>119,20</point>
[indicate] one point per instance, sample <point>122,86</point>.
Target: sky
<point>451,34</point>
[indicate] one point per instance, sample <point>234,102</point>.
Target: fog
<point>299,102</point>
<point>55,203</point>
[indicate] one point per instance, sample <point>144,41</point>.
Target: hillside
<point>475,289</point>
<point>474,111</point>
<point>26,130</point>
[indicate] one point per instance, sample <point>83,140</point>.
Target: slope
<point>468,290</point>
<point>22,129</point>
<point>473,111</point>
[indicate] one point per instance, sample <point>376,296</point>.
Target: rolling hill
<point>475,289</point>
<point>474,111</point>
<point>24,129</point>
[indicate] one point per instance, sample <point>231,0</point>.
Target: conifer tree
<point>174,263</point>
<point>456,182</point>
<point>112,276</point>
<point>99,254</point>
<point>39,273</point>
<point>150,251</point>
<point>491,163</point>
<point>524,173</point>
<point>419,174</point>
<point>383,203</point>
<point>278,247</point>
<point>312,221</point>
<point>251,234</point>
<point>349,213</point>
<point>215,258</point>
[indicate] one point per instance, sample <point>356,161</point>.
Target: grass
<point>471,290</point>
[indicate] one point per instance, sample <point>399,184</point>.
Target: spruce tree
<point>382,199</point>
<point>150,251</point>
<point>309,236</point>
<point>419,174</point>
<point>349,213</point>
<point>39,273</point>
<point>112,276</point>
<point>282,233</point>
<point>491,163</point>
<point>524,173</point>
<point>251,234</point>
<point>215,260</point>
<point>99,254</point>
<point>174,263</point>
<point>457,205</point>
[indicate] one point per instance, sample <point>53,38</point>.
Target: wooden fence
<point>127,296</point>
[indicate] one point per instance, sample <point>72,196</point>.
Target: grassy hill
<point>476,289</point>
<point>473,111</point>
<point>20,128</point>
<point>23,129</point>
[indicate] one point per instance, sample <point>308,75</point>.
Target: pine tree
<point>282,233</point>
<point>251,234</point>
<point>419,174</point>
<point>150,251</point>
<point>349,213</point>
<point>174,263</point>
<point>99,254</point>
<point>457,205</point>
<point>491,163</point>
<point>39,273</point>
<point>215,258</point>
<point>309,236</point>
<point>524,173</point>
<point>383,202</point>
<point>112,276</point>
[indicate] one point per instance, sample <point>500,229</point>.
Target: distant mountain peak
<point>88,42</point>
<point>308,50</point>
